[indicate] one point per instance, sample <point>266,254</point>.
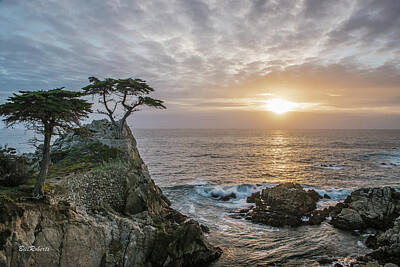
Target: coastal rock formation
<point>373,208</point>
<point>387,245</point>
<point>285,204</point>
<point>369,208</point>
<point>102,209</point>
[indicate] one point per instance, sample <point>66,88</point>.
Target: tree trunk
<point>120,128</point>
<point>38,192</point>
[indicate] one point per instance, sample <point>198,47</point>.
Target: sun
<point>279,105</point>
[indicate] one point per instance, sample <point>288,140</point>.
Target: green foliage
<point>82,158</point>
<point>10,194</point>
<point>128,94</point>
<point>58,107</point>
<point>94,153</point>
<point>83,131</point>
<point>48,188</point>
<point>6,197</point>
<point>45,112</point>
<point>14,170</point>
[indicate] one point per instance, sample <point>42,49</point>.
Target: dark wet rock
<point>368,261</point>
<point>318,216</point>
<point>325,260</point>
<point>253,197</point>
<point>241,213</point>
<point>228,197</point>
<point>314,195</point>
<point>371,242</point>
<point>348,219</point>
<point>205,228</point>
<point>365,264</point>
<point>388,245</point>
<point>326,196</point>
<point>285,204</point>
<point>378,209</point>
<point>335,210</point>
<point>369,208</point>
<point>245,210</point>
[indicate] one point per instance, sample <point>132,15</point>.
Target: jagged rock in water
<point>285,204</point>
<point>373,208</point>
<point>388,245</point>
<point>369,208</point>
<point>105,212</point>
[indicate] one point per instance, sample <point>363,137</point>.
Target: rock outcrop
<point>387,245</point>
<point>103,209</point>
<point>369,208</point>
<point>285,204</point>
<point>378,209</point>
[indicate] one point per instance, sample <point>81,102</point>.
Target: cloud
<point>207,49</point>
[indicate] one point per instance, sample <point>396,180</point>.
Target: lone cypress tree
<point>122,94</point>
<point>45,112</point>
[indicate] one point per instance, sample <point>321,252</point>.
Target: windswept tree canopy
<point>57,107</point>
<point>122,94</point>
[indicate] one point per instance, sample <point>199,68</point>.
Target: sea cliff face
<point>102,209</point>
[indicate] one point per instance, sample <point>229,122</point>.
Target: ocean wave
<point>238,191</point>
<point>209,155</point>
<point>334,193</point>
<point>329,167</point>
<point>200,155</point>
<point>386,159</point>
<point>243,191</point>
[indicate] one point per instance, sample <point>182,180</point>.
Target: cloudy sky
<point>217,64</point>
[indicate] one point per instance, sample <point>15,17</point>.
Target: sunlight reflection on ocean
<point>193,165</point>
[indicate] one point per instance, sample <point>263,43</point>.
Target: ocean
<point>193,166</point>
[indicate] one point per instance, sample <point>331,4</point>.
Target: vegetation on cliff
<point>45,112</point>
<point>101,206</point>
<point>109,213</point>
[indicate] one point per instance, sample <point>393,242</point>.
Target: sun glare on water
<point>279,105</point>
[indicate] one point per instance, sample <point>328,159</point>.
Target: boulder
<point>285,204</point>
<point>228,197</point>
<point>348,219</point>
<point>253,197</point>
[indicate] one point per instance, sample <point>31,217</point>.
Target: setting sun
<point>280,106</point>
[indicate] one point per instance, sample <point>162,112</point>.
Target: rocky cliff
<point>102,209</point>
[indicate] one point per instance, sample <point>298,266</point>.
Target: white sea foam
<point>329,167</point>
<point>220,191</point>
<point>245,190</point>
<point>386,160</point>
<point>192,209</point>
<point>305,218</point>
<point>360,244</point>
<point>334,193</point>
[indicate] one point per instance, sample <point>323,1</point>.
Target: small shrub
<point>83,132</point>
<point>95,153</point>
<point>83,157</point>
<point>14,170</point>
<point>6,197</point>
